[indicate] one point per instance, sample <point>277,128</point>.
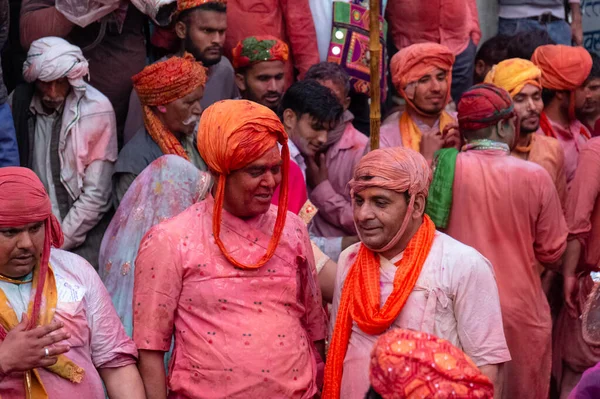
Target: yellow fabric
<point>411,135</point>
<point>64,367</point>
<point>514,74</point>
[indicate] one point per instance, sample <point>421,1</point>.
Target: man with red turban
<point>59,332</point>
<point>516,222</point>
<point>411,277</point>
<point>422,74</point>
<point>170,92</point>
<point>564,70</point>
<point>523,81</point>
<point>412,364</point>
<point>232,276</point>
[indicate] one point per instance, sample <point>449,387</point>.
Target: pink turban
<point>397,169</point>
<point>51,58</point>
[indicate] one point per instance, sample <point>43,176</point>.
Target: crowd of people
<point>190,206</point>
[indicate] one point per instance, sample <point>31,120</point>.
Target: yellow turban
<point>514,74</point>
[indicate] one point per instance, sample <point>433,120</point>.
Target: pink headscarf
<point>397,169</point>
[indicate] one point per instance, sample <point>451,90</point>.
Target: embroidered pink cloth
<point>518,220</point>
<point>238,333</point>
<point>571,141</point>
<point>98,339</point>
<point>332,197</point>
<point>455,298</point>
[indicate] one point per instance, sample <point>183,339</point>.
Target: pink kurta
<point>97,341</point>
<point>455,298</point>
<point>571,141</point>
<point>389,133</point>
<point>332,197</point>
<point>238,333</point>
<point>508,209</point>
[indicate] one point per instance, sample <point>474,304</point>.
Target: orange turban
<point>416,365</point>
<point>231,135</point>
<point>256,49</point>
<point>183,5</point>
<point>162,83</point>
<point>514,74</point>
<point>563,67</point>
<point>413,62</point>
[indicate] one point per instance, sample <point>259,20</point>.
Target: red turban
<point>255,49</point>
<point>411,364</point>
<point>23,200</point>
<point>183,5</point>
<point>231,135</point>
<point>563,67</point>
<point>484,105</point>
<point>413,62</point>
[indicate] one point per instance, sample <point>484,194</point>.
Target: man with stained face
<point>170,92</point>
<point>405,274</point>
<point>422,74</point>
<point>200,26</point>
<point>66,132</point>
<point>232,277</point>
<point>259,63</point>
<point>589,112</point>
<point>523,81</point>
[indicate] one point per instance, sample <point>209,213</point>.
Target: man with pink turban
<point>564,70</point>
<point>66,134</point>
<point>422,74</point>
<point>405,274</point>
<point>59,333</point>
<point>509,210</point>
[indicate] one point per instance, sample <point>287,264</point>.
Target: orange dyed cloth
<point>255,49</point>
<point>183,5</point>
<point>514,74</point>
<point>416,365</point>
<point>162,83</point>
<point>408,66</point>
<point>231,135</point>
<point>563,67</point>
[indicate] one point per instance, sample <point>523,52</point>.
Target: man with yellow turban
<point>523,81</point>
<point>509,210</point>
<point>405,274</point>
<point>422,74</point>
<point>564,70</point>
<point>170,92</point>
<point>232,276</point>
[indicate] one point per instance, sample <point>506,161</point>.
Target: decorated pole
<point>375,89</point>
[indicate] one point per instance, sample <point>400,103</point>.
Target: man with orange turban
<point>59,333</point>
<point>422,74</point>
<point>170,92</point>
<point>411,277</point>
<point>233,276</point>
<point>412,364</point>
<point>517,224</point>
<point>564,70</point>
<point>523,81</point>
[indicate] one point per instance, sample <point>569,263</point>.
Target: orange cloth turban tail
<point>412,364</point>
<point>413,62</point>
<point>231,135</point>
<point>162,83</point>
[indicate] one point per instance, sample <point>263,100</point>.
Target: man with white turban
<point>66,132</point>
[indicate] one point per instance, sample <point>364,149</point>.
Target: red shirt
<point>449,22</point>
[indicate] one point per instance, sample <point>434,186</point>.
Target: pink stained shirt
<point>238,333</point>
<point>98,339</point>
<point>508,209</point>
<point>452,23</point>
<point>571,141</point>
<point>455,298</point>
<point>583,204</point>
<point>389,134</point>
<point>332,197</point>
<point>297,195</point>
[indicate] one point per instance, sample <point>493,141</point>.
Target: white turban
<point>52,58</point>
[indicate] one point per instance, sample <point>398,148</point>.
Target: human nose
<point>24,241</point>
<point>197,108</point>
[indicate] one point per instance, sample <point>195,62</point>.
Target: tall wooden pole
<point>375,91</point>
